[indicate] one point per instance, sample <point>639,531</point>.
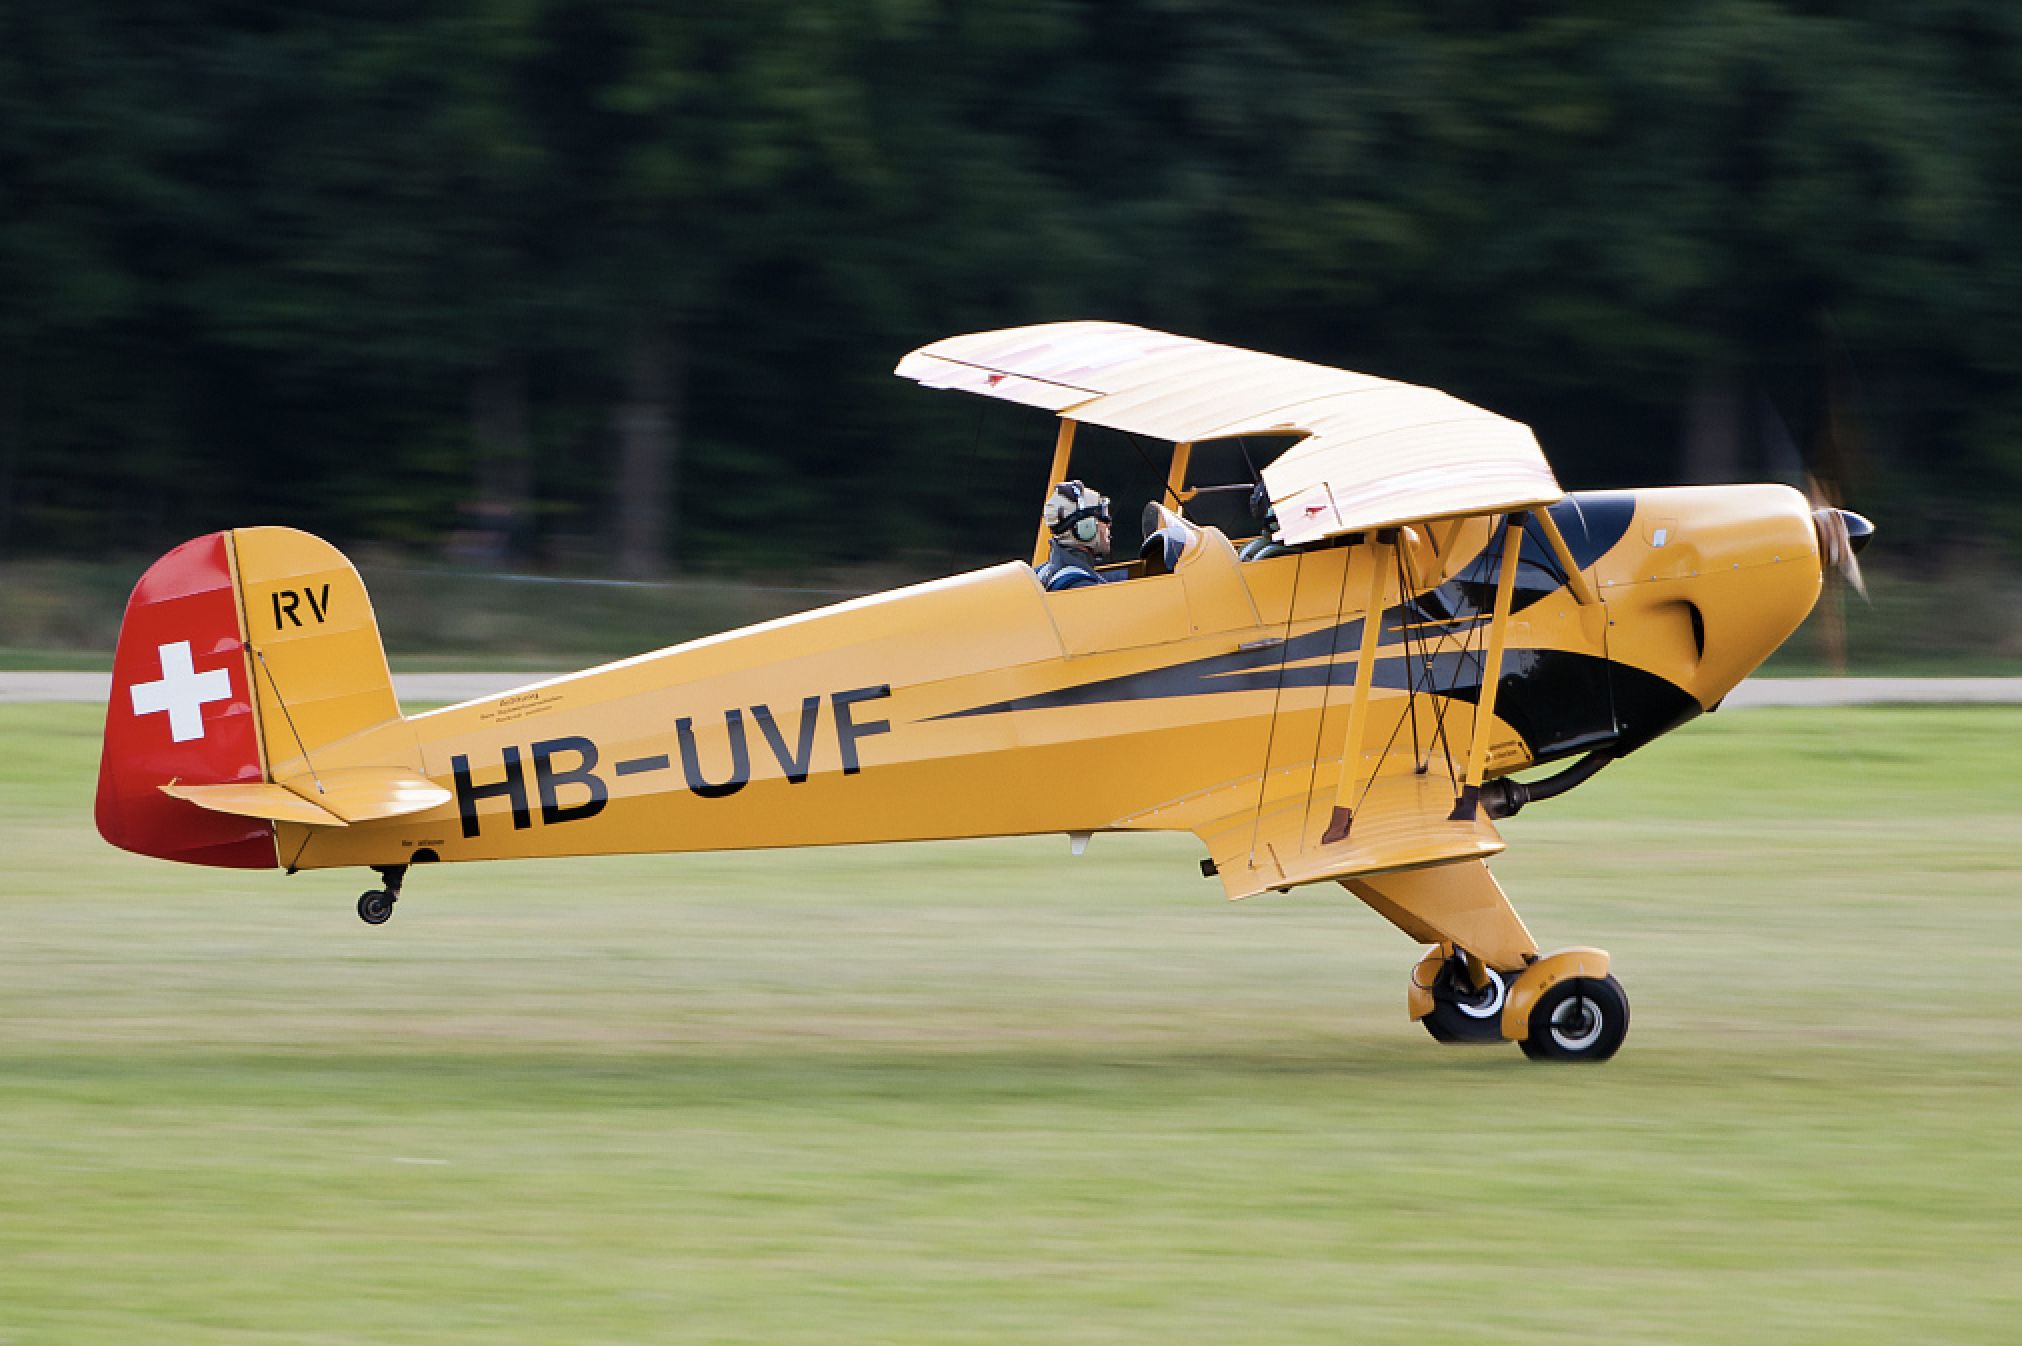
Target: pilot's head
<point>1077,516</point>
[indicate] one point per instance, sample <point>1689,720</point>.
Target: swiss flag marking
<point>182,691</point>
<point>171,720</point>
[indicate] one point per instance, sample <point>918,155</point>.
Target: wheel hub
<point>1576,1023</point>
<point>1479,1002</point>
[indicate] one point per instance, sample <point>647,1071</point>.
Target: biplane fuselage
<point>981,705</point>
<point>1332,709</point>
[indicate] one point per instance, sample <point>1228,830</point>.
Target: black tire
<point>375,907</point>
<point>1442,1029</point>
<point>1583,1019</point>
<point>1460,1013</point>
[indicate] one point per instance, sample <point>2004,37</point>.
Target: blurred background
<point>573,322</point>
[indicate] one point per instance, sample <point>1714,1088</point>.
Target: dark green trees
<point>620,285</point>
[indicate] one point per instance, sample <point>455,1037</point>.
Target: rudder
<point>182,709</point>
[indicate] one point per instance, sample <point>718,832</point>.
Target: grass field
<point>986,1093</point>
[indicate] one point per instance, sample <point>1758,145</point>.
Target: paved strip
<point>1875,692</point>
<point>431,688</point>
<point>55,687</point>
<point>445,688</point>
<point>411,688</point>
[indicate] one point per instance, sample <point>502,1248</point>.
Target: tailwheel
<point>1462,1011</point>
<point>1580,1019</point>
<point>376,907</point>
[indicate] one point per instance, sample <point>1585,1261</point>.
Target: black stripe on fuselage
<point>1247,671</point>
<point>1591,523</point>
<point>1559,701</point>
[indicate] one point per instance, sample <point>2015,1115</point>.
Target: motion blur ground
<point>988,1092</point>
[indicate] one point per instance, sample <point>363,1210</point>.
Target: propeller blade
<point>1851,568</point>
<point>1841,535</point>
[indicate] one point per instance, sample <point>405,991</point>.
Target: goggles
<point>1100,513</point>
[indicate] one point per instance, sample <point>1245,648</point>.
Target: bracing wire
<point>1327,686</point>
<point>1277,698</point>
<point>282,702</point>
<point>1165,486</point>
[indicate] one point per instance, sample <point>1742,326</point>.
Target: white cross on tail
<point>182,692</point>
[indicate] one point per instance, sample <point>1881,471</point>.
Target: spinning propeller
<point>1821,458</point>
<point>1820,461</point>
<point>1841,535</point>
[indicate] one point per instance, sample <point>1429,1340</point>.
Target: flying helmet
<point>1075,513</point>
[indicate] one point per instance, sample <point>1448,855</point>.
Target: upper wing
<point>1371,452</point>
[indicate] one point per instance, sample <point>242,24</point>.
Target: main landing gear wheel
<point>1582,1019</point>
<point>1462,1011</point>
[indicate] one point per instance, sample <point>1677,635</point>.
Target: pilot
<point>1077,518</point>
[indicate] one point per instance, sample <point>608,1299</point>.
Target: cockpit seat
<point>1165,539</point>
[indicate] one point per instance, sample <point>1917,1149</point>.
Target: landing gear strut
<point>376,907</point>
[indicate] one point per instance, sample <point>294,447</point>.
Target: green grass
<point>986,1093</point>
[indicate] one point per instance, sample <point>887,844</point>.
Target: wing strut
<point>1491,674</point>
<point>1576,578</point>
<point>1063,452</point>
<point>1358,703</point>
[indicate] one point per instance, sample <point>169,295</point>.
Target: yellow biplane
<point>1430,614</point>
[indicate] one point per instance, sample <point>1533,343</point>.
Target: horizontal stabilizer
<point>346,795</point>
<point>255,801</point>
<point>359,794</point>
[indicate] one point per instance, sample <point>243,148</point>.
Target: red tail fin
<point>182,710</point>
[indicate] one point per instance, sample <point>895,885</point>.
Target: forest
<point>616,288</point>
